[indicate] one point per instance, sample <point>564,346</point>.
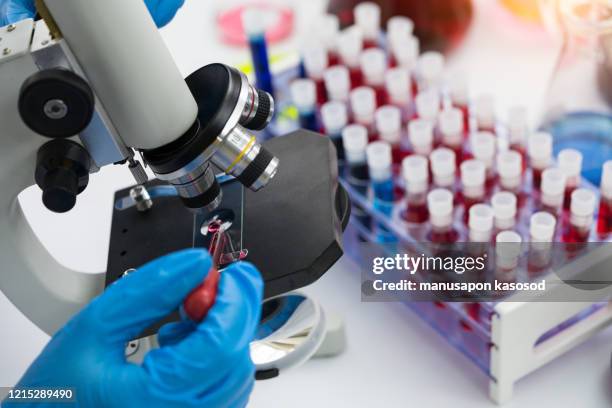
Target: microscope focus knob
<point>62,173</point>
<point>56,103</point>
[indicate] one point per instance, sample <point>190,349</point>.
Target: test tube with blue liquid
<point>355,142</point>
<point>380,163</point>
<point>334,116</point>
<point>254,26</point>
<point>304,96</point>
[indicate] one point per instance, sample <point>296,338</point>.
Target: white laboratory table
<point>393,359</point>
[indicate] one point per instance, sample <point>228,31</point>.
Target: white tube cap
<point>606,179</point>
<point>428,104</point>
<point>542,227</point>
<point>399,26</point>
<point>510,237</point>
<point>553,183</point>
<point>355,141</point>
<point>443,166</point>
<point>450,122</point>
<point>304,94</point>
<point>379,159</point>
<point>473,173</point>
<point>337,83</point>
<point>583,203</point>
<point>517,125</point>
<point>420,133</point>
<point>415,171</point>
<point>397,82</point>
<point>430,67</point>
<point>406,52</point>
<point>363,103</point>
<point>484,111</point>
<point>504,206</point>
<point>509,249</point>
<point>440,206</point>
<point>315,61</point>
<point>510,166</point>
<point>458,89</point>
<point>570,162</point>
<point>484,147</point>
<point>540,147</point>
<point>481,217</point>
<point>327,29</point>
<point>350,45</point>
<point>389,123</point>
<point>373,65</point>
<point>367,17</point>
<point>334,116</point>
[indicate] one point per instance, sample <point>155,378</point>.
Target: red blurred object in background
<point>439,24</point>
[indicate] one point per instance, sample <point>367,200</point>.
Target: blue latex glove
<point>197,365</point>
<point>11,11</point>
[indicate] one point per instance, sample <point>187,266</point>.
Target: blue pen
<point>253,23</point>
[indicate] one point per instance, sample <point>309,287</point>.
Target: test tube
<point>473,176</point>
<point>541,233</point>
<point>481,223</point>
<point>415,171</point>
<point>484,112</point>
<point>337,83</point>
<point>350,45</point>
<point>327,28</point>
<point>570,163</point>
<point>363,107</point>
<point>367,17</point>
<point>399,29</point>
<point>254,25</point>
<point>484,146</point>
<point>389,128</point>
<point>315,63</point>
<point>539,148</point>
<point>420,133</point>
<point>451,127</point>
<point>405,54</point>
<point>504,206</point>
<point>510,170</point>
<point>553,190</point>
<point>443,168</point>
<point>335,118</point>
<point>582,208</point>
<point>428,105</point>
<point>507,255</point>
<point>430,68</point>
<point>373,66</point>
<point>304,95</point>
<point>604,222</point>
<point>440,208</point>
<point>459,96</point>
<point>397,82</point>
<point>355,141</point>
<point>379,160</point>
<point>518,129</point>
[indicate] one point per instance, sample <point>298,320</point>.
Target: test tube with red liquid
<point>389,129</point>
<point>443,168</point>
<point>335,118</point>
<point>350,45</point>
<point>428,105</point>
<point>440,207</point>
<point>304,95</point>
<point>337,83</point>
<point>507,255</point>
<point>458,92</point>
<point>399,31</point>
<point>415,172</point>
<point>604,221</point>
<point>484,146</point>
<point>327,29</point>
<point>405,54</point>
<point>473,176</point>
<point>315,62</point>
<point>570,163</point>
<point>518,130</point>
<point>542,227</point>
<point>363,108</point>
<point>504,206</point>
<point>480,223</point>
<point>484,113</point>
<point>450,123</point>
<point>510,171</point>
<point>373,64</point>
<point>582,209</point>
<point>430,71</point>
<point>539,148</point>
<point>420,134</point>
<point>367,18</point>
<point>397,84</point>
<point>552,191</point>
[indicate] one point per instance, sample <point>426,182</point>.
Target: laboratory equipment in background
<point>439,24</point>
<point>578,105</point>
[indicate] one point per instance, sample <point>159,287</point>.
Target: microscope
<point>92,84</point>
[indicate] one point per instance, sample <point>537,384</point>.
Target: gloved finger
<point>228,329</point>
<point>138,300</point>
<point>12,11</point>
<point>174,332</point>
<point>163,11</point>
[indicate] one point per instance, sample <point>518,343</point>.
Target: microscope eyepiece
<point>228,106</point>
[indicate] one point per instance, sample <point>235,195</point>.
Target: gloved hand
<point>197,365</point>
<point>11,11</point>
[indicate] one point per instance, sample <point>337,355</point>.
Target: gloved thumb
<point>143,297</point>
